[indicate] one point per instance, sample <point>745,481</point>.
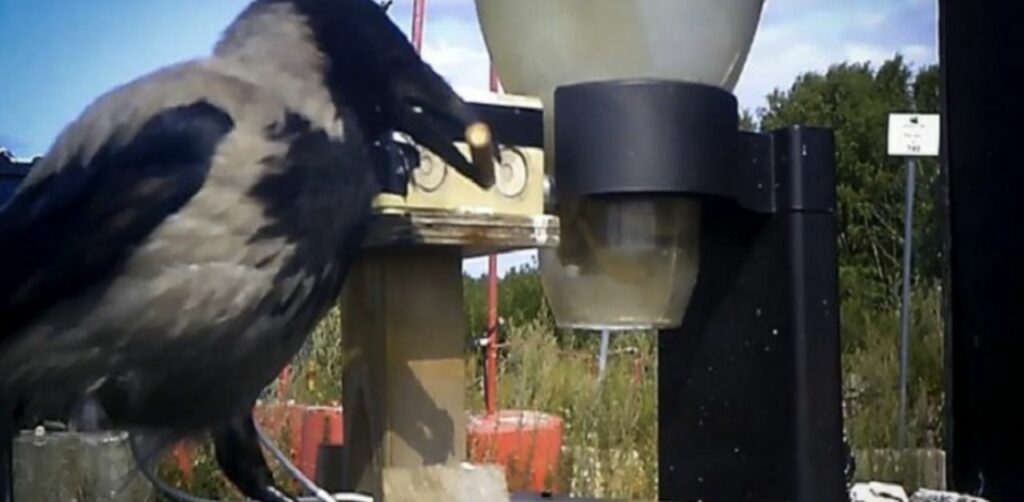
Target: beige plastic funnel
<point>629,262</point>
<point>539,44</point>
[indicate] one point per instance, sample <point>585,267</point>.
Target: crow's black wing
<point>70,229</point>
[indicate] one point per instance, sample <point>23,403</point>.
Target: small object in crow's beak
<point>478,137</point>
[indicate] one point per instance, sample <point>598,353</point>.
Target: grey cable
<point>319,494</point>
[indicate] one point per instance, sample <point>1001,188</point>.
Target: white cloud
<point>871,20</point>
<point>11,143</point>
<point>478,266</point>
<point>773,66</point>
<point>870,53</point>
<point>797,36</point>
<point>462,66</point>
<point>920,53</point>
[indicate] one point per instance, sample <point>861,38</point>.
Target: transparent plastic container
<point>624,263</point>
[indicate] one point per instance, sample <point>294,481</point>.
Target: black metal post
<point>983,75</point>
<point>749,390</point>
<point>908,252</point>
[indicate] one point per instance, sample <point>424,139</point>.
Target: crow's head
<point>370,67</point>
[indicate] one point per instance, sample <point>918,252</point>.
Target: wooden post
<point>404,344</point>
<point>404,338</point>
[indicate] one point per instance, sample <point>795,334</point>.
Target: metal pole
<point>495,82</point>
<point>491,370</point>
<point>908,246</point>
<point>491,375</point>
<point>602,361</point>
<point>284,384</point>
<point>419,10</point>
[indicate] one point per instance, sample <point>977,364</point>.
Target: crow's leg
<point>239,456</point>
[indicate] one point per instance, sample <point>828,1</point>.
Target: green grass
<point>871,374</point>
<point>610,437</point>
<point>610,441</point>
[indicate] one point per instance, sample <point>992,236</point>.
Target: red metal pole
<point>495,83</point>
<point>492,335</point>
<point>284,383</point>
<point>419,13</point>
<point>491,375</point>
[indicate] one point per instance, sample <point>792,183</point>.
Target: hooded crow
<point>174,247</point>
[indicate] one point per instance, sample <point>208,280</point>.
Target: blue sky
<point>59,55</point>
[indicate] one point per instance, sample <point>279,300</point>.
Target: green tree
<point>854,100</point>
<point>520,299</point>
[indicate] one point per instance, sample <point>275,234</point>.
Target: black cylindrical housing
<point>645,136</point>
<point>750,385</point>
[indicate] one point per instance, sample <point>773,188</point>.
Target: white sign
<point>914,135</point>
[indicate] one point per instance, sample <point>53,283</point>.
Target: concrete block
<point>77,467</point>
<point>913,469</point>
<point>941,496</point>
<point>463,483</point>
<point>877,492</point>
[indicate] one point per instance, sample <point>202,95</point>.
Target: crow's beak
<point>436,118</point>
